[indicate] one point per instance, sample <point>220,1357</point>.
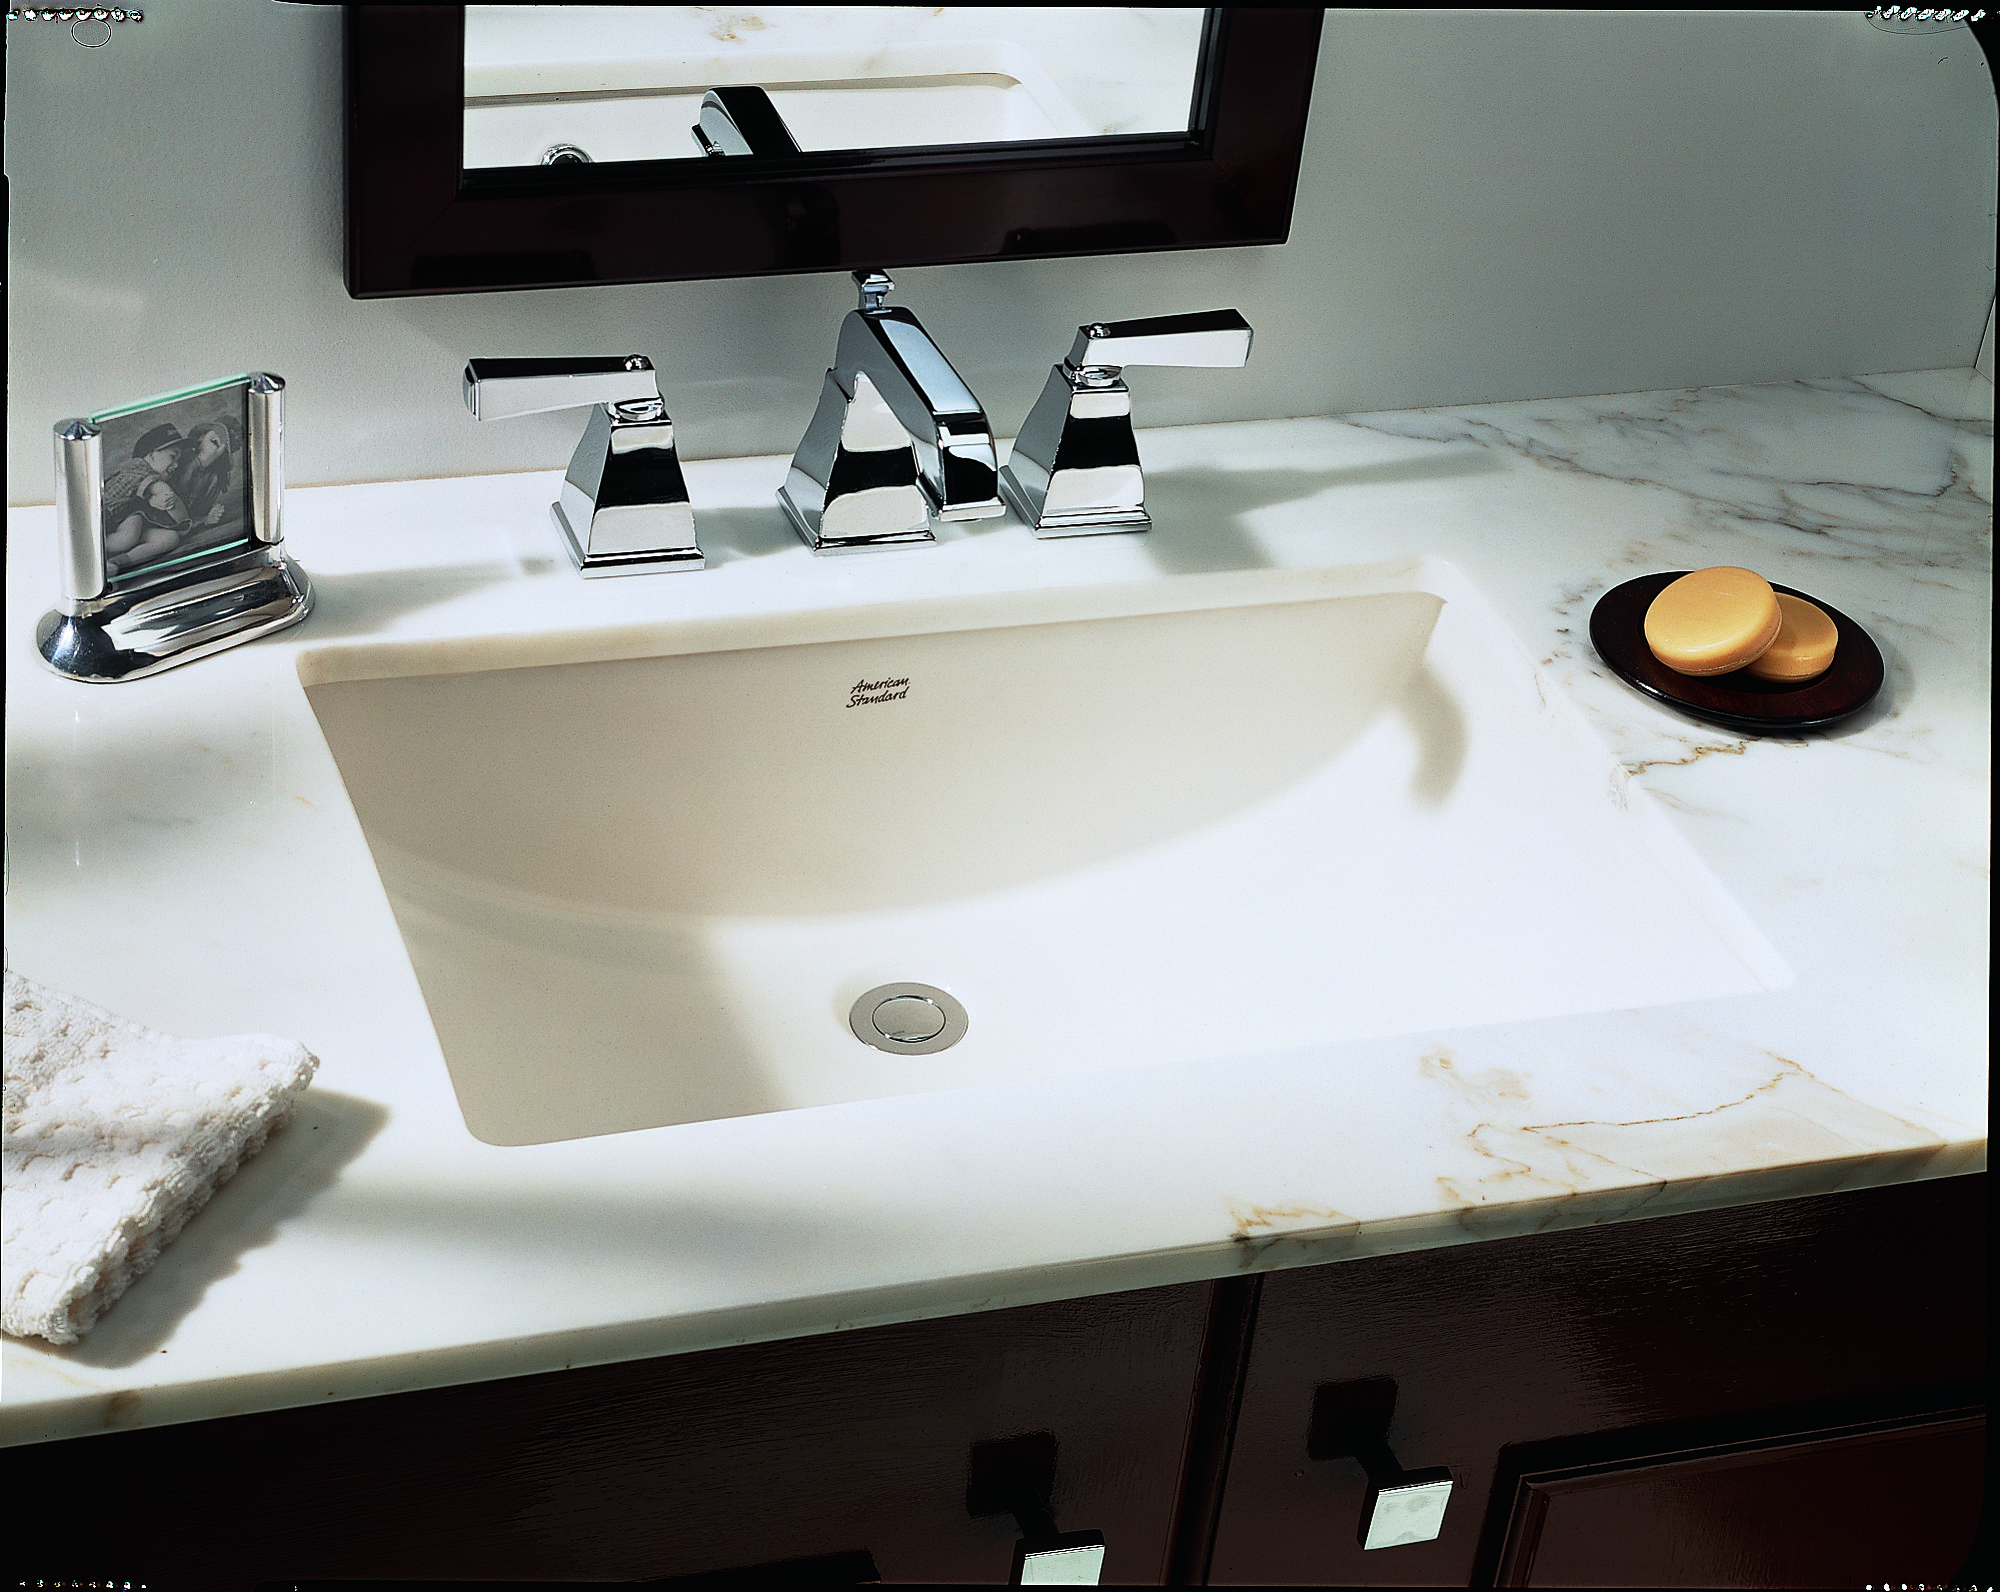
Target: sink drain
<point>908,1019</point>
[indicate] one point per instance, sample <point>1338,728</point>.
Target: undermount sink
<point>645,879</point>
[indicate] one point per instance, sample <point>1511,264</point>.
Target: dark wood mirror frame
<point>419,223</point>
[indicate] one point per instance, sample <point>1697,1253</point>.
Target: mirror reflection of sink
<point>968,107</point>
<point>960,92</point>
<point>626,82</point>
<point>644,880</point>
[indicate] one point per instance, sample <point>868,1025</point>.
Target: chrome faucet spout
<point>947,424</point>
<point>890,391</point>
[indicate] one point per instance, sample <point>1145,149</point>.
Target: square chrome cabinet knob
<point>1074,1559</point>
<point>1408,1509</point>
<point>1350,1421</point>
<point>1017,1476</point>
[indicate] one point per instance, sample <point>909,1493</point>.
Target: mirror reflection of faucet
<point>624,508</point>
<point>897,438</point>
<point>741,120</point>
<point>1075,469</point>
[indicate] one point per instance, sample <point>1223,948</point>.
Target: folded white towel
<point>115,1135</point>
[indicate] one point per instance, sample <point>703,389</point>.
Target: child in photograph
<point>143,514</point>
<point>151,530</point>
<point>203,477</point>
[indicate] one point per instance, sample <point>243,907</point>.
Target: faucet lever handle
<point>497,389</point>
<point>1213,339</point>
<point>624,507</point>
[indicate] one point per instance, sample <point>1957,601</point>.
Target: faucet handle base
<point>624,508</point>
<point>1075,468</point>
<point>679,532</point>
<point>1053,524</point>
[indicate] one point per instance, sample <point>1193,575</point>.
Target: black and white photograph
<point>176,482</point>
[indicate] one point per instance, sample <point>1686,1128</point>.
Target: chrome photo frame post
<point>192,586</point>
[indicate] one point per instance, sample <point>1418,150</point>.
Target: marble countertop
<point>181,851</point>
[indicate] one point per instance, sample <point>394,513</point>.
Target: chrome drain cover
<point>908,1019</point>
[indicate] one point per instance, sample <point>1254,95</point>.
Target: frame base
<point>132,636</point>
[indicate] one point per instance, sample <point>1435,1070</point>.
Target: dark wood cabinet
<point>1781,1394</point>
<point>1710,1367</point>
<point>828,1454</point>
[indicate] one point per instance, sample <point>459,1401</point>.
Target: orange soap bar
<point>1713,621</point>
<point>1804,648</point>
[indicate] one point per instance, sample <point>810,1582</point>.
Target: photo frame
<point>169,530</point>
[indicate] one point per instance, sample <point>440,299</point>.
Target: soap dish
<point>1738,700</point>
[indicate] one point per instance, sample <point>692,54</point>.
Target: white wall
<point>1495,204</point>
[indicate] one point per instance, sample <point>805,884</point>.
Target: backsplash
<point>1493,205</point>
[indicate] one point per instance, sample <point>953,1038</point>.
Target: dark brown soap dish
<point>1739,700</point>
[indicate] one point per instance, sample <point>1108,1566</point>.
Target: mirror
<point>1092,175</point>
<point>585,84</point>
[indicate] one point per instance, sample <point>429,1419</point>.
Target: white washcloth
<point>115,1136</point>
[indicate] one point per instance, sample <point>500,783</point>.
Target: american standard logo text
<point>878,691</point>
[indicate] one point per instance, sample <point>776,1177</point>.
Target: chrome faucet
<point>1075,468</point>
<point>897,438</point>
<point>624,508</point>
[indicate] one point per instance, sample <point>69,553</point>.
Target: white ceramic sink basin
<point>643,880</point>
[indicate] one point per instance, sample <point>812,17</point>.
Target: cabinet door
<point>1525,1356</point>
<point>1884,1505</point>
<point>845,1451</point>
